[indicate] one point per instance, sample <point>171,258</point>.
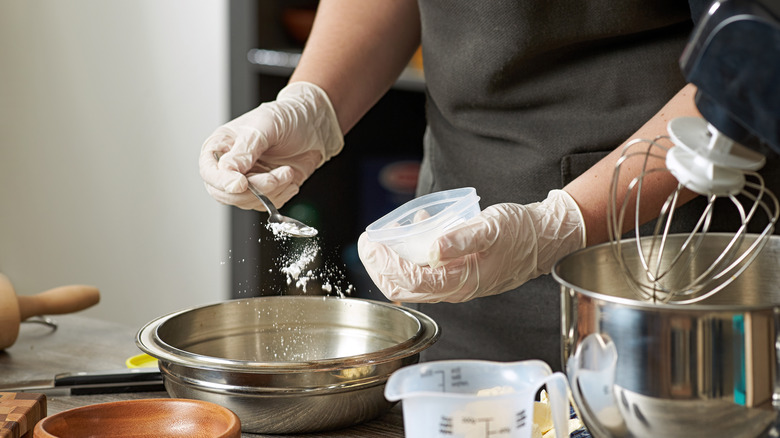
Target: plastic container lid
<point>411,228</point>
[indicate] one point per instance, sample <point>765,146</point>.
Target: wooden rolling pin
<point>16,308</point>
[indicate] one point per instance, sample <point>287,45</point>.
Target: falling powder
<point>300,265</point>
<point>296,267</point>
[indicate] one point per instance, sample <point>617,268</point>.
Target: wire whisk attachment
<point>678,271</point>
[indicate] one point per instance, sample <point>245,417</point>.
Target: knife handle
<point>111,381</point>
<point>122,375</point>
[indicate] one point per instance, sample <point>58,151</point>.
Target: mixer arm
<point>733,57</point>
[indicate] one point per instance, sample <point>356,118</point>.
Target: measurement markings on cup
<point>520,418</point>
<point>436,373</point>
<point>456,378</point>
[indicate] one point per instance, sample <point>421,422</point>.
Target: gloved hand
<point>496,251</point>
<point>276,145</point>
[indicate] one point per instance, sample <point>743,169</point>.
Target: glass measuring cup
<point>476,399</point>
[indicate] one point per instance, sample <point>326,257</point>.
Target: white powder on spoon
<point>287,229</point>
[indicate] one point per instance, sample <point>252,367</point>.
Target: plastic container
<point>411,228</point>
<point>475,399</point>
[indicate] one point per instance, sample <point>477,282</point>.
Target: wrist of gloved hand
<point>321,116</point>
<point>499,250</point>
<point>276,145</point>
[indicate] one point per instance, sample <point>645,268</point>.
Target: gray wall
<point>103,108</point>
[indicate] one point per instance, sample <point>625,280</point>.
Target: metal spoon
<point>277,222</point>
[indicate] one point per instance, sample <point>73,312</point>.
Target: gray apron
<point>522,97</point>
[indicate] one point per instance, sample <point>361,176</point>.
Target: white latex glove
<point>276,145</point>
<point>496,251</point>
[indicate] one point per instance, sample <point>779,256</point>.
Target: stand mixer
<point>709,368</point>
<point>733,57</point>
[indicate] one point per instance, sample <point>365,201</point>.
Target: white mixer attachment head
<point>706,161</point>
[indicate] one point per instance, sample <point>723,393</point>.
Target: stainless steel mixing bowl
<point>288,364</point>
<point>638,369</point>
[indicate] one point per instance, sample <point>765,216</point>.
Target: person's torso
<point>524,95</point>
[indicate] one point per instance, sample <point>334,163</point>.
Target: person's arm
<point>591,189</point>
<point>509,244</point>
<point>356,50</point>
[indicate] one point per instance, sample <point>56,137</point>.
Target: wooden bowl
<point>164,417</point>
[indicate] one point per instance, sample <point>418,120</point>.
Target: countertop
<point>85,344</point>
<point>82,344</point>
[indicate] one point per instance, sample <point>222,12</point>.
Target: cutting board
<point>19,412</point>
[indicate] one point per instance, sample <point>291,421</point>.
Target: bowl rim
<point>149,342</point>
<point>670,306</point>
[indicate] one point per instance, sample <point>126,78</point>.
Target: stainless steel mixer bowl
<point>639,369</point>
<point>288,364</point>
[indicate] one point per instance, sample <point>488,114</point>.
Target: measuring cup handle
<point>558,393</point>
